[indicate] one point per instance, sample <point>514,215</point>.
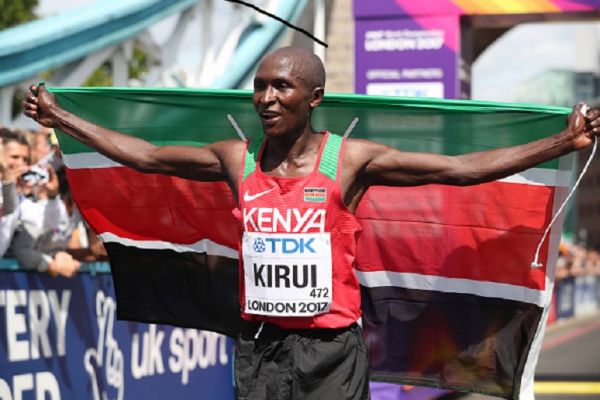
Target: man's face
<point>17,157</point>
<point>281,96</point>
<point>42,147</point>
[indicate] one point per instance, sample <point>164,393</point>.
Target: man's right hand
<point>38,105</point>
<point>213,162</point>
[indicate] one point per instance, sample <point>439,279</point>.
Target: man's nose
<point>269,95</point>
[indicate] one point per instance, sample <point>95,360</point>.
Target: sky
<point>530,49</point>
<point>522,53</point>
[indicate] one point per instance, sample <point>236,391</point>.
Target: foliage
<point>139,64</point>
<point>138,67</point>
<point>15,12</point>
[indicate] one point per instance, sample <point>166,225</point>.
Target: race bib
<point>287,275</point>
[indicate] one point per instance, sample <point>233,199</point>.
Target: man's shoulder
<point>230,145</point>
<point>360,146</point>
<point>230,152</point>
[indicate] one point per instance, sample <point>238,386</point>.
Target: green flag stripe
<point>196,117</point>
<point>246,95</point>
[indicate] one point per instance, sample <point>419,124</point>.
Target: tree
<point>138,67</point>
<point>15,12</point>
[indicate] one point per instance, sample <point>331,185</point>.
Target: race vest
<point>298,244</point>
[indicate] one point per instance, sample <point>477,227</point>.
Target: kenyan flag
<point>449,298</point>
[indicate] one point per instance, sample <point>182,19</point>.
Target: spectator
<point>575,260</point>
<point>8,194</point>
<point>42,215</point>
<point>14,157</point>
<point>84,244</point>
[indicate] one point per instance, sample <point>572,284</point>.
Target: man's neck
<point>289,155</point>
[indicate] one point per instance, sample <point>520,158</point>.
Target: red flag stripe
<point>486,232</point>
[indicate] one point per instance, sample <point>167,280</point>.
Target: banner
<point>449,296</point>
<point>414,48</point>
<point>59,340</point>
<point>415,56</point>
<point>394,8</point>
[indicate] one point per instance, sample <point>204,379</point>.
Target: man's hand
<point>63,264</point>
<point>583,125</point>
<point>52,185</point>
<point>38,105</point>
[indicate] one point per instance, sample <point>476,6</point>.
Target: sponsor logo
<point>259,245</point>
<point>315,195</point>
<point>281,245</point>
<point>105,363</point>
<point>250,197</point>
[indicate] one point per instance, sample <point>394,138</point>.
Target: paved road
<point>569,362</point>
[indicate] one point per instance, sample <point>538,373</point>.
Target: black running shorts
<point>306,364</point>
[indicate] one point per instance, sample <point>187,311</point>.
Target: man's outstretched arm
<point>208,163</point>
<point>390,167</point>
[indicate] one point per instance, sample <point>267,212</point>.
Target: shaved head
<point>306,65</point>
<point>288,85</point>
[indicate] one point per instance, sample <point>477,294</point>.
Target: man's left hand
<point>583,126</point>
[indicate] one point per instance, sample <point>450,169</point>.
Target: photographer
<point>42,215</point>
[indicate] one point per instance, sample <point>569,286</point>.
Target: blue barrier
<point>59,340</point>
<point>585,294</point>
<point>565,298</point>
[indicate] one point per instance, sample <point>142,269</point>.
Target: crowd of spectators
<point>40,226</point>
<point>576,260</point>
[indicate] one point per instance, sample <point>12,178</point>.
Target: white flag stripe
<point>88,160</point>
<point>540,177</point>
<point>533,176</point>
<point>203,246</point>
<point>451,285</point>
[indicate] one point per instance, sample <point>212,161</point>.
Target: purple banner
<point>414,57</point>
<point>396,8</point>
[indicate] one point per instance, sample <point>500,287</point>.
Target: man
<point>298,189</point>
<point>14,154</point>
<point>20,230</point>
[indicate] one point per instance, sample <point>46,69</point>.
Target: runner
<point>297,191</point>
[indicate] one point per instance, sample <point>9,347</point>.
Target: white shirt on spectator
<point>44,214</point>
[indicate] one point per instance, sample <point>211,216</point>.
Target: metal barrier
<point>576,296</point>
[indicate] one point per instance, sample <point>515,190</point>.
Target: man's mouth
<point>270,116</point>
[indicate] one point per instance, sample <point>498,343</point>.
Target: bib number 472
<point>319,293</point>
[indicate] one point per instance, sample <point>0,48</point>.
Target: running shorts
<point>284,364</point>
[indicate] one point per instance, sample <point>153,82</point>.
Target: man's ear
<point>318,93</point>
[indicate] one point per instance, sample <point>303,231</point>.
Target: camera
<point>35,176</point>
